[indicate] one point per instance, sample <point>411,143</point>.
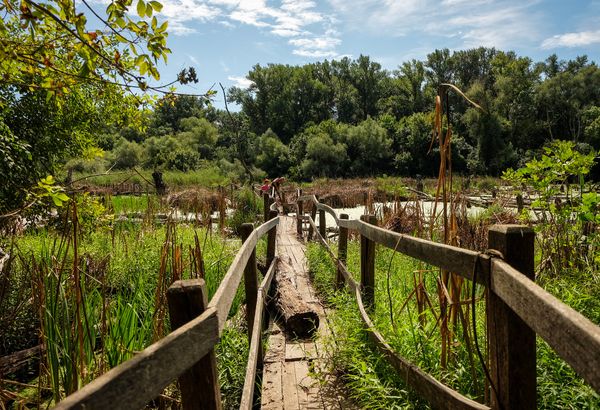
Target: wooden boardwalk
<point>288,381</point>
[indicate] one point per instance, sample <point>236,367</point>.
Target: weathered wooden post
<point>342,252</point>
<point>313,215</point>
<point>367,263</point>
<point>511,343</point>
<point>271,240</point>
<point>322,222</point>
<point>520,203</point>
<point>251,287</point>
<point>200,383</point>
<point>250,278</point>
<point>300,210</point>
<point>266,205</point>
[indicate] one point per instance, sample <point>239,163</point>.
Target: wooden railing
<point>187,353</point>
<point>517,308</point>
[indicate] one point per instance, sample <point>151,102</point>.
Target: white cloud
<point>241,82</point>
<point>193,59</point>
<point>320,43</point>
<point>498,23</point>
<point>316,47</point>
<point>284,32</point>
<point>578,39</point>
<point>295,19</point>
<point>180,13</point>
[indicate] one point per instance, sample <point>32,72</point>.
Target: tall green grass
<point>96,301</point>
<point>374,384</point>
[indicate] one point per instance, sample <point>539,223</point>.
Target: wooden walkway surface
<point>288,382</point>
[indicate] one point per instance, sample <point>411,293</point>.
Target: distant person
<point>276,184</point>
<point>265,186</point>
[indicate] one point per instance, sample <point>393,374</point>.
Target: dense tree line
<point>341,118</point>
<point>353,118</point>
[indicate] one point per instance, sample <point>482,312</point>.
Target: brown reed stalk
<point>450,286</point>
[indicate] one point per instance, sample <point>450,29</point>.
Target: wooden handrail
<point>151,370</point>
<point>577,341</point>
<point>223,297</point>
<point>253,356</point>
<point>451,258</point>
<point>574,337</point>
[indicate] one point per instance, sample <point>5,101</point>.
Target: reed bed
<point>94,296</point>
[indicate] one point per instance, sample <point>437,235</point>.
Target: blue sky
<point>223,39</point>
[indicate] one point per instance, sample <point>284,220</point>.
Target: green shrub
<point>183,159</point>
<point>247,206</point>
<point>127,155</point>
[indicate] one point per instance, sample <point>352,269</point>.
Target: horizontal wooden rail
<point>142,378</point>
<point>451,258</point>
<point>436,393</point>
<point>223,297</point>
<point>253,356</point>
<point>574,337</point>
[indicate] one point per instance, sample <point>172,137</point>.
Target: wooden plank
<point>437,394</point>
<point>294,351</point>
<point>272,389</point>
<point>151,370</point>
<point>511,342</point>
<point>451,258</point>
<point>200,383</point>
<point>574,337</point>
<point>312,229</point>
<point>276,350</point>
<point>223,297</point>
<point>304,383</point>
<point>266,204</point>
<point>255,358</point>
<point>299,214</point>
<point>290,387</point>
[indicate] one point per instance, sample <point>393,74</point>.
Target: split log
<point>15,361</point>
<point>298,317</point>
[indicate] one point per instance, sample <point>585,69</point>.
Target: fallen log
<point>15,361</point>
<point>298,317</point>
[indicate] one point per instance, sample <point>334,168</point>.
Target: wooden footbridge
<point>517,310</point>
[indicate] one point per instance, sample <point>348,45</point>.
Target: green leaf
<point>148,10</point>
<point>56,200</point>
<point>163,27</point>
<point>156,5</point>
<point>141,8</point>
